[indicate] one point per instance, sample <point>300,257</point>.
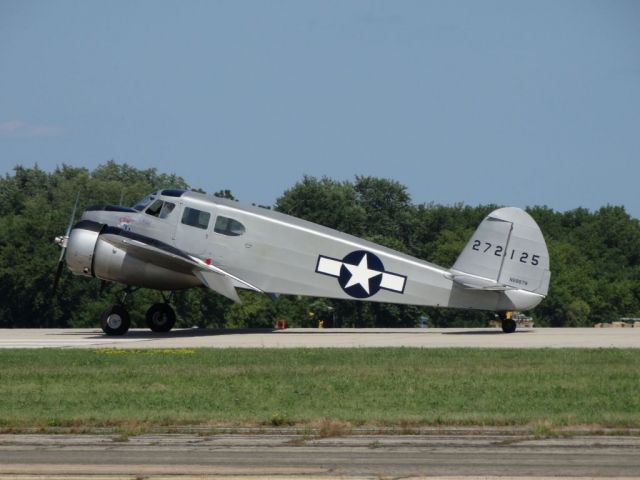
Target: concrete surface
<point>300,337</point>
<point>364,456</point>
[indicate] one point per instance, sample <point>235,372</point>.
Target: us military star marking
<point>361,274</point>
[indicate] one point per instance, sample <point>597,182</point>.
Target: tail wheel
<point>115,320</point>
<point>161,317</point>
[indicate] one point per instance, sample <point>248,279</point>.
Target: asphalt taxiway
<point>326,338</point>
<point>292,456</point>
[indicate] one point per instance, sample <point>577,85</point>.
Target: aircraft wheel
<point>161,317</point>
<point>508,325</point>
<point>115,320</point>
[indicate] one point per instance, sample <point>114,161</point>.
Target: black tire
<point>161,317</point>
<point>115,320</point>
<point>508,325</point>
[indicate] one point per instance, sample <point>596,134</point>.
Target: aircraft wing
<point>221,281</point>
<point>171,258</point>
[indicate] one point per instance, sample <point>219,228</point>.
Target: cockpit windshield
<point>144,202</point>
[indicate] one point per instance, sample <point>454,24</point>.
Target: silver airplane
<point>177,239</point>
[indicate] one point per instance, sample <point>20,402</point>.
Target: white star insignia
<point>361,274</point>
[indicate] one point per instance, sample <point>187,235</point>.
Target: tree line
<point>595,255</point>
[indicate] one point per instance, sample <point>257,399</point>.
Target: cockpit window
<point>144,202</point>
<point>228,226</point>
<point>155,208</point>
<point>166,209</point>
<point>196,218</point>
<point>160,209</point>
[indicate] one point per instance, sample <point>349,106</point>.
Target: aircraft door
<point>193,230</point>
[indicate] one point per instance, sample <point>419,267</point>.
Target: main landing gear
<point>508,323</point>
<point>115,320</point>
<point>160,317</point>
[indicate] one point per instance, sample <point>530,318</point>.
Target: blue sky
<point>508,102</point>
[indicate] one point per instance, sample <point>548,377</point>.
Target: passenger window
<point>228,226</point>
<point>195,218</point>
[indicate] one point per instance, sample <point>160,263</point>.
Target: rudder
<point>507,249</point>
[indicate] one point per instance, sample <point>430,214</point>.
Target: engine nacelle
<point>81,247</point>
<point>90,255</point>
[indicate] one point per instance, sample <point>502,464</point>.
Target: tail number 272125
<point>498,251</point>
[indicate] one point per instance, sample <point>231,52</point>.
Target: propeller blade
<point>62,241</point>
<point>73,216</point>
<point>56,279</point>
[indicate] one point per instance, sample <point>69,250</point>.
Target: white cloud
<point>20,129</point>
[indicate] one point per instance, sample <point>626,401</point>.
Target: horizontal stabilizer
<point>477,283</point>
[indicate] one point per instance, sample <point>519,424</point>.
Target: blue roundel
<point>361,274</point>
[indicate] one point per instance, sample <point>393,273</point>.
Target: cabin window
<point>196,218</point>
<point>160,209</point>
<point>228,226</point>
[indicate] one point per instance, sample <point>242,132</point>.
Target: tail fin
<point>506,251</point>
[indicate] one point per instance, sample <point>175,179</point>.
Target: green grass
<point>403,388</point>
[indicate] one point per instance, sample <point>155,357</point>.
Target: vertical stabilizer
<point>507,249</point>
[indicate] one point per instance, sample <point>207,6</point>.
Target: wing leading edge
<point>173,259</point>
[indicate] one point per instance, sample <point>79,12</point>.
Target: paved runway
<point>368,456</point>
<point>325,338</point>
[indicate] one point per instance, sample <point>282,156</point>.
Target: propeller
<point>63,241</point>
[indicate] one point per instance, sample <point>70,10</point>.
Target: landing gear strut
<point>508,324</point>
<point>115,319</point>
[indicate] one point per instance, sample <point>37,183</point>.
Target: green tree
<point>326,202</point>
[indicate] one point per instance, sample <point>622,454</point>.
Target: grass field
<point>404,388</point>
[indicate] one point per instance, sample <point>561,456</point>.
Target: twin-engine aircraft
<point>177,239</point>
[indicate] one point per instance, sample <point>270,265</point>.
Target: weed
<point>543,430</point>
<point>278,419</point>
<point>329,427</point>
<point>122,437</point>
